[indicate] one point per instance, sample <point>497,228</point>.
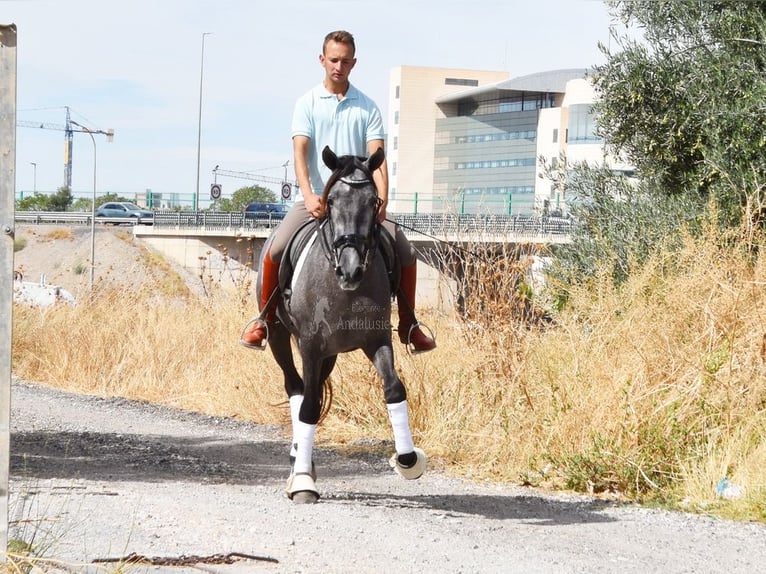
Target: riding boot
<point>256,332</point>
<point>409,329</point>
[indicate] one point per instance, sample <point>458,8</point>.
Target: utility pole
<point>199,118</point>
<point>7,193</point>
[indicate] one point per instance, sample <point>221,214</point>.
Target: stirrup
<point>263,345</point>
<point>409,346</point>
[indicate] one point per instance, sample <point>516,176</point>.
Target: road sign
<point>215,191</point>
<point>287,190</point>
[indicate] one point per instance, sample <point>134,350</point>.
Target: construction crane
<point>285,186</point>
<point>68,136</point>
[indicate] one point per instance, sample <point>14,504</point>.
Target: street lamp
<point>109,135</point>
<point>34,166</point>
<point>199,119</point>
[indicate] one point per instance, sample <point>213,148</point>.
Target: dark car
<point>127,210</point>
<point>266,211</point>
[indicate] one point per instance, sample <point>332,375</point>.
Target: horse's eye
<point>330,202</point>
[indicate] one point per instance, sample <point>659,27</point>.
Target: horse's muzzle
<point>350,260</point>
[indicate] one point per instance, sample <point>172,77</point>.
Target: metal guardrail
<point>73,218</point>
<point>429,223</point>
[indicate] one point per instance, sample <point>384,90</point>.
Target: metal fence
<point>428,223</point>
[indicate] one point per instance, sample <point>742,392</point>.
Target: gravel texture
<point>104,479</point>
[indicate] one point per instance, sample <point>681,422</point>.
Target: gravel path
<point>107,478</point>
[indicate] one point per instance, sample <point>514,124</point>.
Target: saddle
<point>302,237</point>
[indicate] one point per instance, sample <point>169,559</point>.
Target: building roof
<point>553,81</point>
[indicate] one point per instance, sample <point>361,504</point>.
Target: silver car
<point>124,209</point>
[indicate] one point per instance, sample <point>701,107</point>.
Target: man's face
<point>338,61</point>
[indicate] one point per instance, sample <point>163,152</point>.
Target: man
<point>336,114</point>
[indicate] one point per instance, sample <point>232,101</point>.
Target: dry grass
<point>653,391</point>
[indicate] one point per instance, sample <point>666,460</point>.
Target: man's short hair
<point>341,37</point>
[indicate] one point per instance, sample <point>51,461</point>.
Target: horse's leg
<point>305,414</point>
<point>409,461</point>
<point>281,348</point>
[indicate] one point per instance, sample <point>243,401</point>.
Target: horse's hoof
<point>301,489</point>
<point>410,472</point>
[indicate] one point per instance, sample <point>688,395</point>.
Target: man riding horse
<point>338,115</point>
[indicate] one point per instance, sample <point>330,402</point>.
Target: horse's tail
<point>326,402</point>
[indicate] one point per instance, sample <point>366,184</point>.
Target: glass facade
<point>582,125</point>
<point>527,101</point>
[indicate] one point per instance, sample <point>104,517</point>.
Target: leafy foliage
<point>620,224</point>
<point>685,105</point>
<point>244,195</point>
<point>59,201</point>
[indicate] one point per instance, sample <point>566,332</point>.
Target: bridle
<point>364,244</point>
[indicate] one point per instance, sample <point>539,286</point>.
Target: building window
<point>521,189</point>
<point>582,125</point>
<point>396,117</point>
<point>397,92</point>
<point>497,137</point>
<point>555,135</point>
<point>396,142</point>
<point>393,168</point>
<point>519,162</point>
<point>460,82</point>
<point>527,101</point>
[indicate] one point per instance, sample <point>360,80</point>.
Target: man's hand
<point>314,205</point>
<point>382,212</point>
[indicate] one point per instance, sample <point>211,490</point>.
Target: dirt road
<point>101,479</point>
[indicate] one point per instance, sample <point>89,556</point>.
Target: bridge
<point>227,243</point>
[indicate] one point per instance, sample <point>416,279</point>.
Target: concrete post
<point>7,195</point>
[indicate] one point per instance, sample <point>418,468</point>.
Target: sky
<point>135,67</point>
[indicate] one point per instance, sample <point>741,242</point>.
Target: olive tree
<point>685,102</point>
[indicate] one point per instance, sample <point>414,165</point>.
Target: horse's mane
<point>348,165</point>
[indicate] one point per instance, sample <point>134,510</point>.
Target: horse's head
<point>352,208</point>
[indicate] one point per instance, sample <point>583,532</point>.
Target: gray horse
<point>338,300</point>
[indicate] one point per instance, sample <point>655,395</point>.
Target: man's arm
<point>380,177</point>
<point>312,201</point>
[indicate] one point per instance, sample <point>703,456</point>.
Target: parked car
<point>266,211</point>
<point>125,209</point>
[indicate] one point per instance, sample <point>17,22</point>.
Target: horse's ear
<point>376,159</point>
<point>329,158</point>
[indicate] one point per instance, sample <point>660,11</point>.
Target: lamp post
<point>109,134</point>
<point>199,118</point>
<point>34,166</point>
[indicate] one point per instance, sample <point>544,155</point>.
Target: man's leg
<point>409,330</point>
<point>256,332</point>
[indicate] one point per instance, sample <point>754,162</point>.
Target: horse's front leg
<point>409,461</point>
<point>305,411</point>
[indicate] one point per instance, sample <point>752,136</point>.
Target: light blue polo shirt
<point>346,126</point>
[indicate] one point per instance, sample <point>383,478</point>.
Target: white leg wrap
<point>304,438</point>
<point>295,408</point>
<point>400,424</point>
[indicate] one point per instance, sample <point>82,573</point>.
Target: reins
<point>442,241</point>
